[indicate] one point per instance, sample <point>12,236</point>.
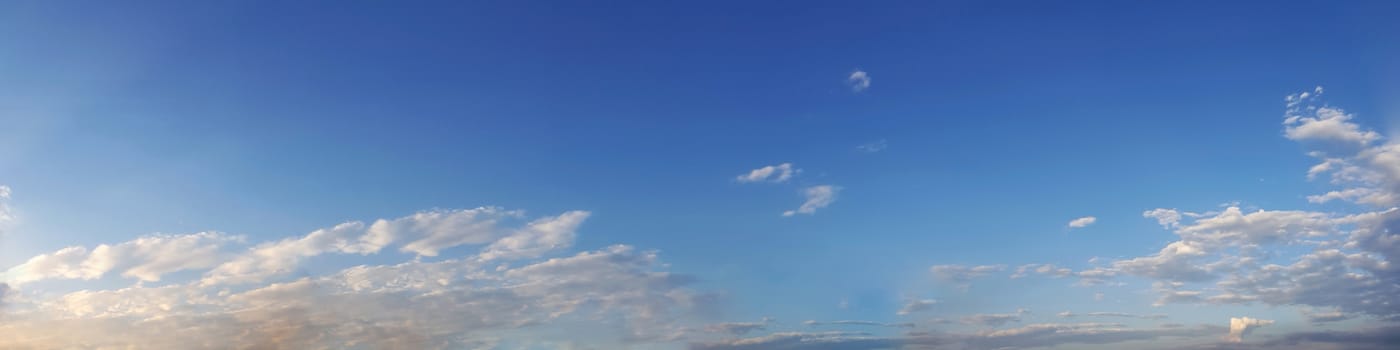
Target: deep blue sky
<point>1003,121</point>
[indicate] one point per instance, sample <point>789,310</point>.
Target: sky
<point>705,176</point>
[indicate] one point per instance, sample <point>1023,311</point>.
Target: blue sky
<point>952,134</point>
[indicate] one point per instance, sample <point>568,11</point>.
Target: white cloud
<point>454,303</point>
<point>1043,269</point>
<point>1326,124</point>
<point>146,258</point>
<point>282,257</point>
<point>5,215</point>
<point>1241,326</point>
<point>916,305</point>
<point>1082,222</point>
<point>772,173</point>
<point>425,233</point>
<point>1168,218</point>
<point>859,80</point>
<point>431,231</point>
<point>817,197</point>
<point>538,237</point>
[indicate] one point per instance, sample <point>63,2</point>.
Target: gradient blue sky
<point>998,123</point>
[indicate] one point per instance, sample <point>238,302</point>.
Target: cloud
<point>1168,218</point>
<point>455,303</point>
<point>859,80</point>
<point>817,197</point>
<point>1325,316</point>
<point>424,233</point>
<point>772,173</point>
<point>961,275</point>
<point>1043,269</point>
<point>1241,326</point>
<point>538,237</point>
<point>993,320</point>
<point>1305,121</point>
<point>916,305</point>
<point>858,323</point>
<point>146,258</point>
<point>1082,222</point>
<point>1375,338</point>
<point>739,328</point>
<point>873,146</point>
<point>5,215</point>
<point>1068,314</point>
<point>1030,336</point>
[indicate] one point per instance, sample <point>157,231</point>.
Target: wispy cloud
<point>859,80</point>
<point>817,197</point>
<point>772,173</point>
<point>1082,222</point>
<point>873,146</point>
<point>916,305</point>
<point>5,216</point>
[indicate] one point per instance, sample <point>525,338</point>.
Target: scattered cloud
<point>859,80</point>
<point>772,173</point>
<point>817,197</point>
<point>1082,222</point>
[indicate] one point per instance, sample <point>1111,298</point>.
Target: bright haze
<point>699,175</point>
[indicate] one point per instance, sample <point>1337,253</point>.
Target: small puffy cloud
<point>1168,218</point>
<point>916,305</point>
<point>1082,222</point>
<point>817,197</point>
<point>772,173</point>
<point>1326,124</point>
<point>859,80</point>
<point>1241,326</point>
